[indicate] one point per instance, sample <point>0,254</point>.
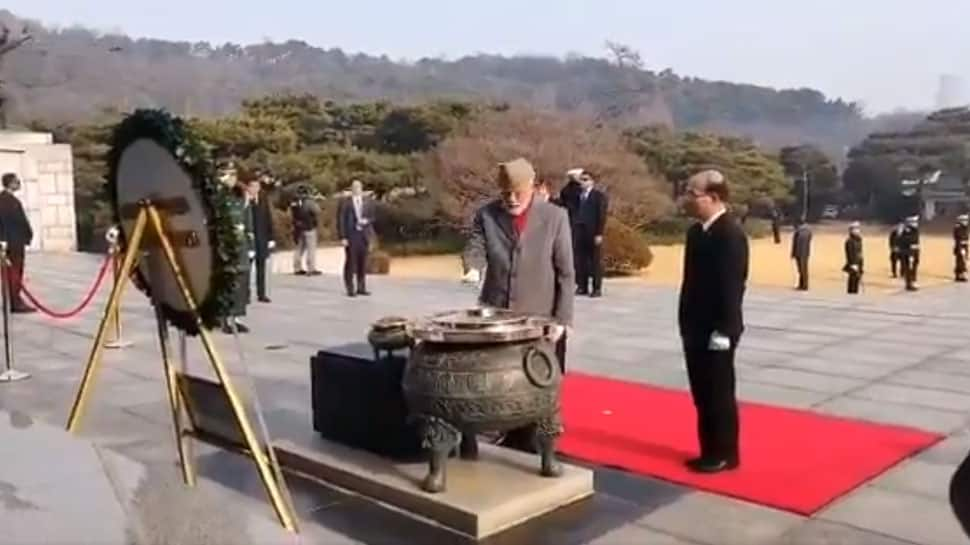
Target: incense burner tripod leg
<point>271,479</point>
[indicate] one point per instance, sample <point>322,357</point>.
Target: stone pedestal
<point>47,172</point>
<point>499,491</point>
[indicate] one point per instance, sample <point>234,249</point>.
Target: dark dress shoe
<point>363,292</point>
<point>351,294</point>
<point>711,465</point>
<point>581,291</point>
<point>596,294</point>
<point>23,310</point>
<point>265,300</point>
<point>300,273</point>
<point>315,273</point>
<point>241,328</point>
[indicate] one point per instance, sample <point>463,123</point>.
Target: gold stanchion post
<point>9,374</point>
<point>115,339</point>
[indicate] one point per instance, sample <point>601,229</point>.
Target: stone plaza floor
<point>901,359</point>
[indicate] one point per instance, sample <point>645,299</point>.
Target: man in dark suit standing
<point>590,223</point>
<point>569,195</point>
<point>264,240</point>
<point>16,232</point>
<point>801,250</point>
<point>355,215</point>
<point>710,318</point>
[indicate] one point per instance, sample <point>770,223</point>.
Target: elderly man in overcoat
<point>524,244</point>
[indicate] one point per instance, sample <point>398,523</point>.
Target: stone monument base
<point>501,490</point>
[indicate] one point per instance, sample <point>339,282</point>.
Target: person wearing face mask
<point>355,215</point>
<point>853,258</point>
<point>16,232</point>
<point>590,223</point>
<point>710,318</point>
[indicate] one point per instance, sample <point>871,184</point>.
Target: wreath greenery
<point>195,157</point>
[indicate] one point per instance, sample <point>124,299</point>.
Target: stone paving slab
<point>884,359</point>
<point>905,516</point>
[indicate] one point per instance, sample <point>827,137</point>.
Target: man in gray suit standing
<point>524,244</point>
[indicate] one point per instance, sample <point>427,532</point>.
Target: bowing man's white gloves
<point>719,342</point>
<point>473,276</point>
<point>555,332</point>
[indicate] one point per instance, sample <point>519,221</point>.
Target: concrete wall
<point>47,172</point>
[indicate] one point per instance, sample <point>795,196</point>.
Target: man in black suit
<point>264,242</point>
<point>590,223</point>
<point>355,215</point>
<point>710,318</point>
<point>16,232</point>
<point>960,494</point>
<point>569,195</point>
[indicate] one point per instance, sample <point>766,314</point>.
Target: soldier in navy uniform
<point>895,250</point>
<point>801,250</point>
<point>853,258</point>
<point>909,248</point>
<point>961,246</point>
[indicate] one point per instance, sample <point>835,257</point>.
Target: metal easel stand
<point>9,374</point>
<point>116,342</point>
<point>149,218</point>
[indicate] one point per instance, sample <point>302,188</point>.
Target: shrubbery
<point>625,250</point>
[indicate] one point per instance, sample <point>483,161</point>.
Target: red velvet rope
<point>77,310</point>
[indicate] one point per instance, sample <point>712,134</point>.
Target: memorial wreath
<point>195,157</point>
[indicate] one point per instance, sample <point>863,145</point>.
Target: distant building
<point>947,198</point>
<point>47,172</point>
<point>952,92</point>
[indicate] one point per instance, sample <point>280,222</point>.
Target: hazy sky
<point>884,53</point>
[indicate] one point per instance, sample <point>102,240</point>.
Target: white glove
<point>471,277</point>
<point>252,254</point>
<point>719,343</point>
<point>555,332</point>
<point>272,244</point>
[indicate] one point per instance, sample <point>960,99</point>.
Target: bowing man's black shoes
<point>711,465</point>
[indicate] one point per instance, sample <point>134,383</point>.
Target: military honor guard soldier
<point>710,318</point>
<point>853,258</point>
<point>961,247</point>
<point>895,249</point>
<point>801,251</point>
<point>909,252</point>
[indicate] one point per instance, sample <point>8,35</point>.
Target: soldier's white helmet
<point>963,218</point>
<point>912,220</point>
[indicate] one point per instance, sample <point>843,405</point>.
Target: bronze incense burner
<point>482,370</point>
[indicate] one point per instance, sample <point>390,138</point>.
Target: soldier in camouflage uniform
<point>243,224</point>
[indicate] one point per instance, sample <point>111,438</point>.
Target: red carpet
<point>790,459</point>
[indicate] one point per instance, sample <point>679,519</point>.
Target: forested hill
<point>70,74</point>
